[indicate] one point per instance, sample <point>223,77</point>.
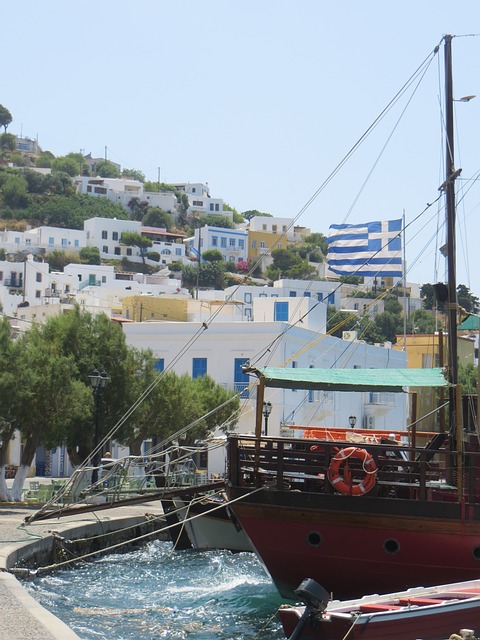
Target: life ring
<point>340,478</point>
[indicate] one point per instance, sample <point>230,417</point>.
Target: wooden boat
<point>374,516</point>
<point>427,613</point>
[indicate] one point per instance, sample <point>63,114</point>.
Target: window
<point>240,380</point>
<point>292,294</point>
<point>194,189</point>
<point>100,190</point>
<point>64,242</point>
<point>38,277</point>
<point>37,294</point>
<point>231,258</point>
<point>262,244</point>
<point>217,207</point>
<point>279,245</point>
<point>115,235</point>
<point>211,206</point>
<point>198,203</point>
<point>310,391</point>
<point>223,243</point>
<point>1,276</point>
<point>105,248</point>
<point>17,240</point>
<point>247,297</point>
<point>294,366</point>
<point>104,279</point>
<point>331,298</point>
<point>51,242</point>
<point>104,235</point>
<point>178,251</point>
<point>159,365</point>
<point>319,297</point>
<point>264,227</point>
<point>274,228</point>
<point>284,228</point>
<point>199,367</point>
<point>67,288</point>
<point>254,244</point>
<point>76,243</point>
<point>231,243</point>
<point>307,294</point>
<point>247,313</point>
<point>355,306</point>
<point>129,251</point>
<point>281,312</point>
<point>89,188</point>
<point>214,241</point>
<point>241,244</point>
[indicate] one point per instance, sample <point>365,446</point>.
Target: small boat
<point>426,613</point>
<point>205,522</point>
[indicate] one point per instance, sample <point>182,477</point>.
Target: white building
<point>122,190</point>
<point>106,233</point>
<point>232,243</point>
<point>200,201</point>
<point>42,240</point>
<point>226,346</point>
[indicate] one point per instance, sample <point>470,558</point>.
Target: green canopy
<point>472,323</point>
<point>350,379</point>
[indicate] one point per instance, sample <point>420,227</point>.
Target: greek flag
<point>369,249</point>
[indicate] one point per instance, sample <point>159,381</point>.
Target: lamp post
<point>98,382</point>
<point>267,410</point>
<point>352,421</point>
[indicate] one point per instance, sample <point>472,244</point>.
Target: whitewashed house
<point>221,351</point>
<point>232,243</point>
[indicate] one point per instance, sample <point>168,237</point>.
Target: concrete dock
<point>23,618</point>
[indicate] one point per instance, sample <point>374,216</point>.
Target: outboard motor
<point>315,598</point>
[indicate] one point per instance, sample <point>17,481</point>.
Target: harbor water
<point>155,592</point>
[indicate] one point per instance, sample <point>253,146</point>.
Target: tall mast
<point>450,178</point>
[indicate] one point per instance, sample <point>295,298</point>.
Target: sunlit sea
<point>155,592</point>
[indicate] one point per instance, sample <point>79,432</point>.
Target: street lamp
<point>267,410</point>
<point>98,382</point>
<point>352,420</point>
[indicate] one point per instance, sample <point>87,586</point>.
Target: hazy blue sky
<point>261,99</point>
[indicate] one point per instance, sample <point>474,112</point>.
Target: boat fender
<point>339,475</point>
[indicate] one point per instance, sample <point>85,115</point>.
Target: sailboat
<point>375,516</point>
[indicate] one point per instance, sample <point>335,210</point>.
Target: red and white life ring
<point>340,478</point>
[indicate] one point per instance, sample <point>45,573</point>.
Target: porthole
<point>476,553</point>
<point>391,546</point>
<point>314,539</point>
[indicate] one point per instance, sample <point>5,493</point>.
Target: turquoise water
<point>154,593</point>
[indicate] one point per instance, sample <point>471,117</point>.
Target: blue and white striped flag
<point>370,249</point>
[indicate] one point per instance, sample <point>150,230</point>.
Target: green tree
<point>90,255</point>
<point>283,261</point>
<point>207,274</point>
<point>213,220</point>
<point>251,213</point>
<point>66,164</point>
<point>134,239</point>
<point>339,321</point>
<point>58,259</point>
<point>5,117</point>
<point>133,174</point>
<point>15,192</point>
<point>157,217</point>
<point>44,160</point>
<point>8,143</point>
<point>212,255</point>
<point>466,299</point>
<point>106,169</point>
<point>421,321</point>
<point>467,378</point>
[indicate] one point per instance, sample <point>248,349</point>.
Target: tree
<point>90,255</point>
<point>67,165</point>
<point>8,143</point>
<point>106,169</point>
<point>58,259</point>
<point>339,321</point>
<point>5,117</point>
<point>283,261</point>
<point>466,299</point>
<point>44,160</point>
<point>157,217</point>
<point>421,321</point>
<point>212,255</point>
<point>134,239</point>
<point>134,174</point>
<point>14,191</point>
<point>214,220</point>
<point>251,213</point>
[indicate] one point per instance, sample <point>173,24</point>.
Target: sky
<point>262,99</point>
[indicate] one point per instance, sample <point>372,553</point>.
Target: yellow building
<point>423,352</point>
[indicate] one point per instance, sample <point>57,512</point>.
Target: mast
<point>450,178</point>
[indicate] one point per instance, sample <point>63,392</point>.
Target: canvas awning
<point>374,380</point>
<point>472,323</point>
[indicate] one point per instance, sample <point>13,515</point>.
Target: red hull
<point>433,625</point>
<point>351,554</point>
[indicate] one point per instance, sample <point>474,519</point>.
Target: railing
<point>401,472</point>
